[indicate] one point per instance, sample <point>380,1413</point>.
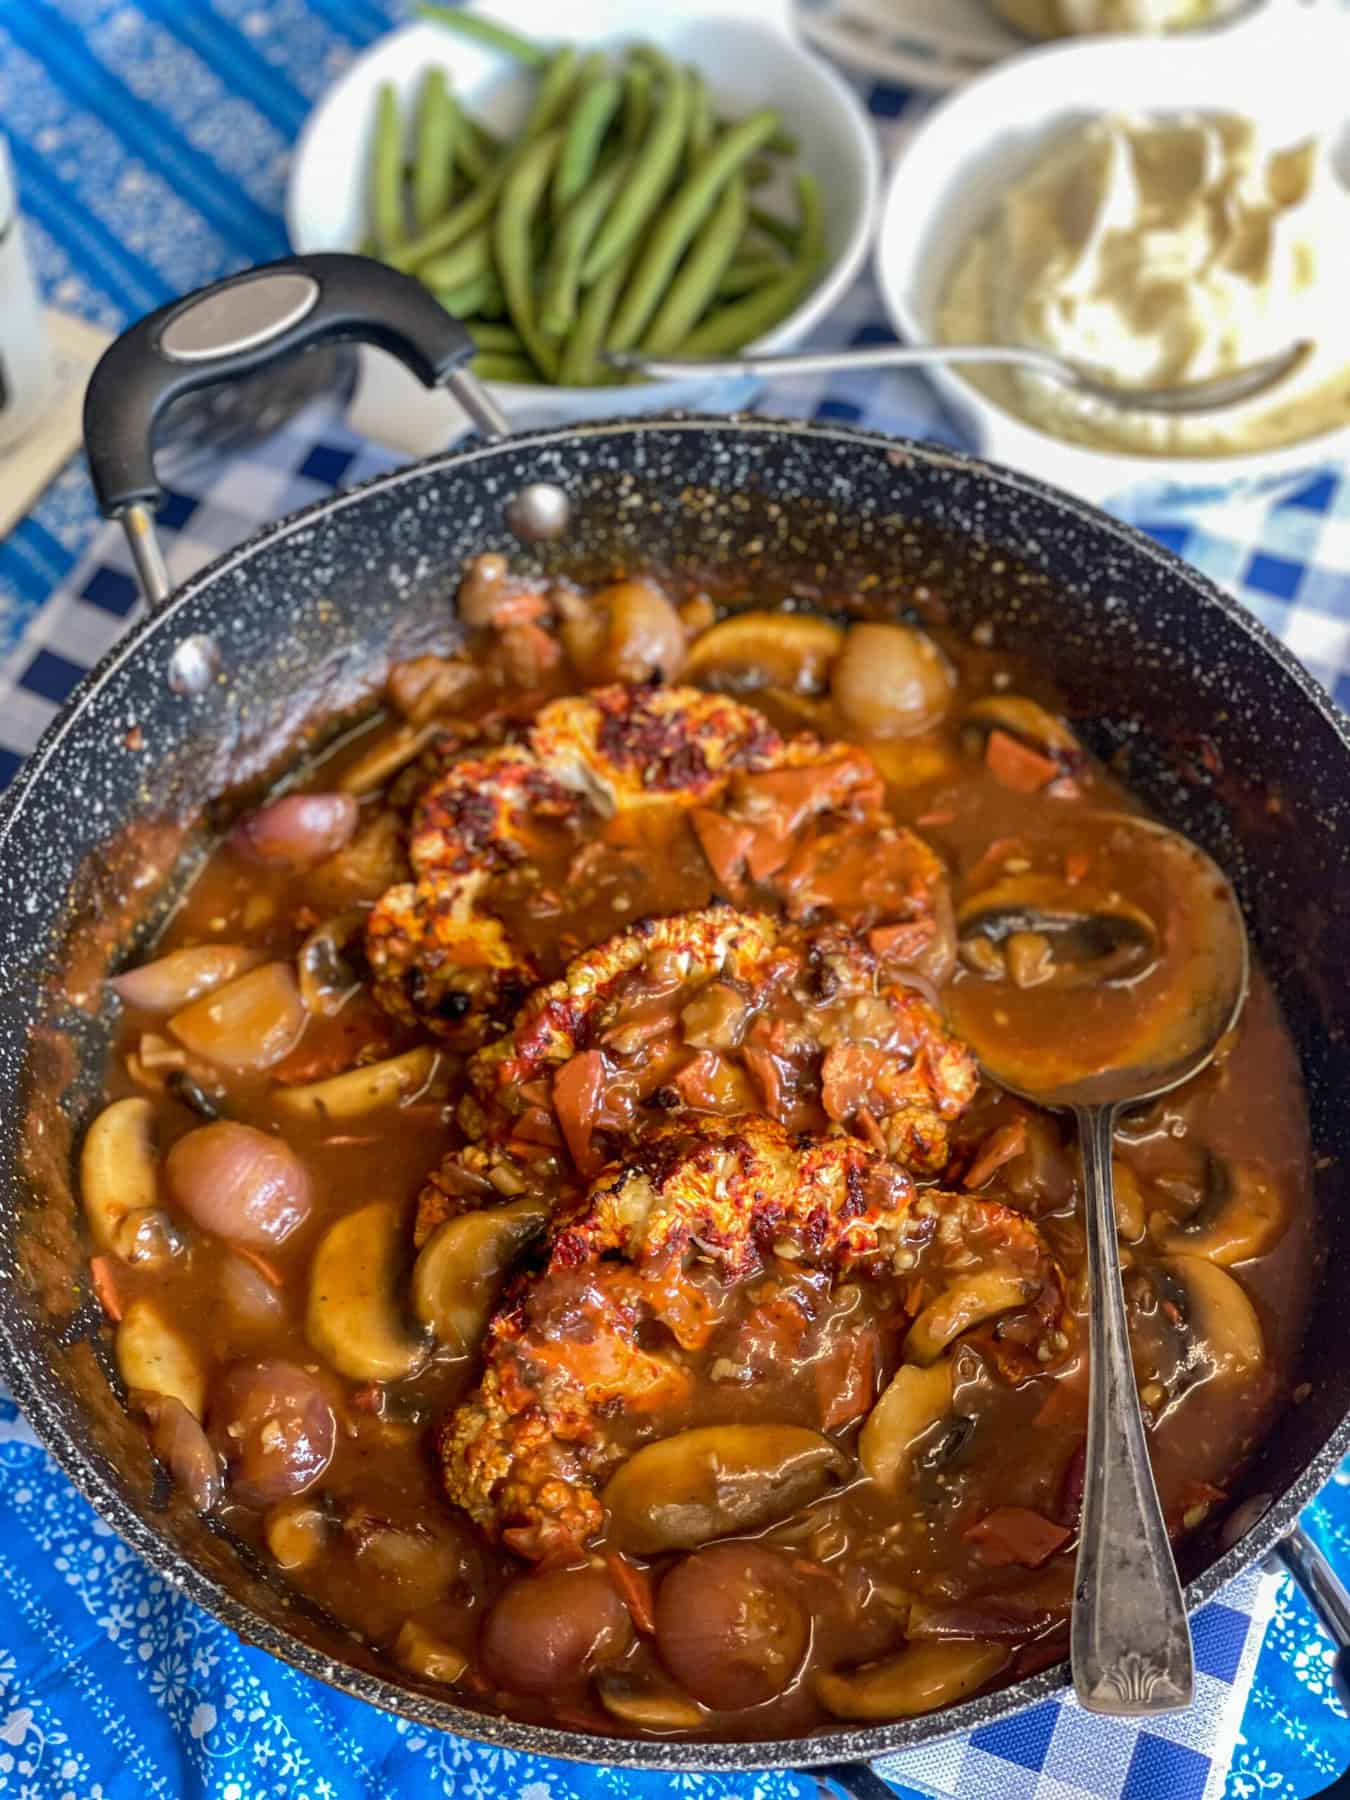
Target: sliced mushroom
<point>628,632</point>
<point>354,1318</point>
<point>183,975</point>
<point>420,1652</point>
<point>717,1480</point>
<point>1241,1215</point>
<point>327,979</point>
<point>1024,720</point>
<point>1219,1318</point>
<point>463,1265</point>
<point>751,650</point>
<point>152,1354</point>
<point>916,1400</point>
<point>637,1701</point>
<point>1092,936</point>
<point>394,1082</point>
<point>118,1168</point>
<point>391,751</point>
<point>296,1531</point>
<point>919,1679</point>
<point>250,1023</point>
<point>968,1301</point>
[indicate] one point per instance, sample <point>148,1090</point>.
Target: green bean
<point>652,58</point>
<point>782,143</point>
<point>494,365</point>
<point>732,327</point>
<point>511,229</point>
<point>386,172</point>
<point>653,167</point>
<point>504,338</point>
<point>476,149</point>
<point>587,126</point>
<point>693,287</point>
<point>433,173</point>
<point>550,99</point>
<point>637,106</point>
<point>571,241</point>
<point>679,221</point>
<point>772,226</point>
<point>471,297</point>
<point>580,366</point>
<point>486,31</point>
<point>746,272</point>
<point>470,257</point>
<point>492,301</point>
<point>702,125</point>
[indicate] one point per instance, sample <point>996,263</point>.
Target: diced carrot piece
<point>901,943</point>
<point>940,815</point>
<point>269,1272</point>
<point>1015,1534</point>
<point>1066,1404</point>
<point>846,1381</point>
<point>1017,765</point>
<point>634,1587</point>
<point>105,1288</point>
<point>847,1075</point>
<point>725,842</point>
<point>768,850</point>
<point>1001,1146</point>
<point>536,1126</point>
<point>1076,865</point>
<point>868,1128</point>
<point>576,1100</point>
<point>767,1077</point>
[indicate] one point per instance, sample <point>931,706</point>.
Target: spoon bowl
<point>1172,994</point>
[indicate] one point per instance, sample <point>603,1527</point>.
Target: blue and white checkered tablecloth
<point>150,140</point>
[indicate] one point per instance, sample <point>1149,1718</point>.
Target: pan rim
<point>89,1473</point>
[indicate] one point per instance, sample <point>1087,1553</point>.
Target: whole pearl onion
<point>297,829</point>
<point>548,1632</point>
<point>889,681</point>
<point>730,1625</point>
<point>274,1425</point>
<point>239,1183</point>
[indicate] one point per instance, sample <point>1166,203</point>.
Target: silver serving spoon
<point>1130,1644</point>
<point>1210,395</point>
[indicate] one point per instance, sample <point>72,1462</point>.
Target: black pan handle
<point>241,326</point>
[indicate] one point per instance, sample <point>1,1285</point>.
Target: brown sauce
<point>965,1556</point>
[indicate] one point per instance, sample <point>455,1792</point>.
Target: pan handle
<point>241,326</point>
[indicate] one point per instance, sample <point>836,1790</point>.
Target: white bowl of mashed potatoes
<point>1162,211</point>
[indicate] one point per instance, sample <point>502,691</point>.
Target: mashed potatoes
<point>1071,18</point>
<point>1162,251</point>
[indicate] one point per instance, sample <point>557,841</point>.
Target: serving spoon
<point>1209,395</point>
<point>1130,1644</point>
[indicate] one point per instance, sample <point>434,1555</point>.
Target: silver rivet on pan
<point>193,664</point>
<point>539,512</point>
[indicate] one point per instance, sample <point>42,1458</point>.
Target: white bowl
<point>749,60</point>
<point>935,44</point>
<point>992,132</point>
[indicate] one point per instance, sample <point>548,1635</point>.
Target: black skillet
<point>282,640</point>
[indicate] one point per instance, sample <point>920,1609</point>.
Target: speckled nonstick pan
<point>291,633</point>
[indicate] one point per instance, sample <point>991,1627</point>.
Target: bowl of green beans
<point>689,181</point>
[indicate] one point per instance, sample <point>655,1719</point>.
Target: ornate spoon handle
<point>1130,1644</point>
